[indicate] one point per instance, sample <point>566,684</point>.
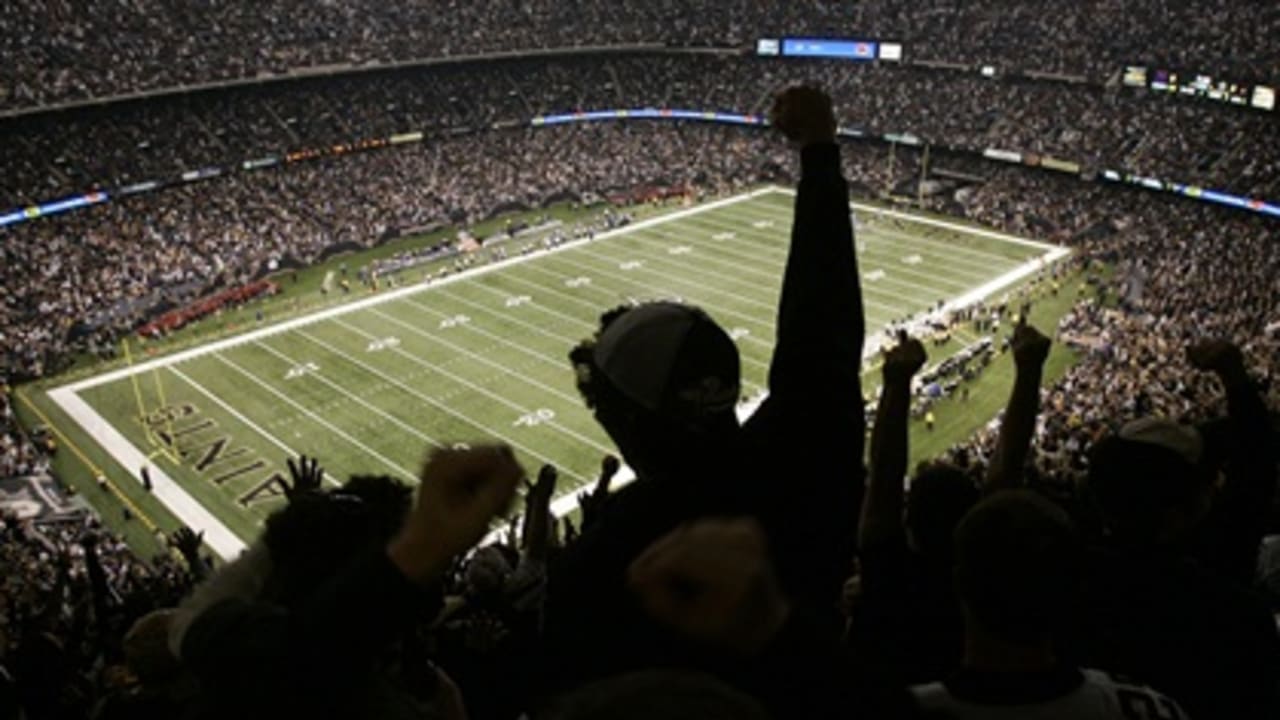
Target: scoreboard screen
<point>1264,97</point>
<point>830,48</point>
<point>1135,76</point>
<point>1199,85</point>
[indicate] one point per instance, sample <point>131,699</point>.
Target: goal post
<point>153,417</point>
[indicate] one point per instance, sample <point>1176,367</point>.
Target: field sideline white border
<point>227,544</point>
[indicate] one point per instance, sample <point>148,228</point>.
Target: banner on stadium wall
<point>264,162</point>
<point>1195,192</point>
<point>902,139</point>
<point>201,174</point>
<point>136,188</point>
<point>402,138</point>
<point>1002,155</point>
<point>32,212</point>
<point>647,114</point>
<point>1066,166</point>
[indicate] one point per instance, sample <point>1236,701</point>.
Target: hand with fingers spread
<point>804,116</point>
<point>461,492</point>
<point>306,474</point>
<point>537,517</point>
<point>188,542</point>
<point>712,581</point>
<point>904,360</point>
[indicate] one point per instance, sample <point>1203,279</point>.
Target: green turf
<point>369,391</point>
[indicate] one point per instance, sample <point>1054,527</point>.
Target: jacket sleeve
<point>820,319</point>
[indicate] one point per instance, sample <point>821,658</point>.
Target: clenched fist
<point>804,116</point>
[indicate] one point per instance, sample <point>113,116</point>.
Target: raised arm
<point>1030,350</point>
<point>537,515</point>
<point>882,504</point>
<point>1242,505</point>
<point>820,323</point>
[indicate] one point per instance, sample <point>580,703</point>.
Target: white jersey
<point>1099,697</point>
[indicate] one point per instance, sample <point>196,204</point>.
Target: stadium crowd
<point>696,591</point>
<point>1216,145</point>
<point>77,281</point>
<point>58,51</point>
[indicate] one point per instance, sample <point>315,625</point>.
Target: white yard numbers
<point>631,265</point>
<point>913,259</point>
<point>738,333</point>
<point>518,300</point>
<point>762,224</point>
<point>875,275</point>
<point>680,250</point>
<point>577,282</point>
<point>455,321</point>
<point>386,343</point>
<point>298,371</point>
<point>535,418</point>
<point>724,236</point>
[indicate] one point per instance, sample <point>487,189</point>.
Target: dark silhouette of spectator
<point>663,381</point>
<point>1017,572</point>
<point>1169,599</point>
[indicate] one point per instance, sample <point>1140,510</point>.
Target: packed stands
<point>58,52</point>
<point>345,602</point>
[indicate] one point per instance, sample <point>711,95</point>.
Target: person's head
<point>661,379</point>
<point>319,534</point>
<point>1152,482</point>
<point>1017,567</point>
<point>940,496</point>
<point>146,649</point>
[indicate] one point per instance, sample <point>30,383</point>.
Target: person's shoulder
<point>1126,698</point>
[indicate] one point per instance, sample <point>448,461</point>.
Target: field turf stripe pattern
<point>485,357</point>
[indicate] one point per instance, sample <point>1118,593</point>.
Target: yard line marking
<point>475,328</point>
<point>926,220</point>
<point>319,420</point>
<point>597,309</point>
<point>170,493</point>
<point>394,420</point>
<point>388,296</point>
<point>505,370</point>
<point>975,269</point>
<point>482,390</point>
<point>771,307</point>
<point>707,268</point>
<point>568,341</point>
<point>642,290</point>
<point>484,429</point>
<point>873,254</point>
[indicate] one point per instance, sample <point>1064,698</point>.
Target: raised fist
<point>1030,347</point>
<point>903,360</point>
<point>461,492</point>
<point>804,115</point>
<point>1219,356</point>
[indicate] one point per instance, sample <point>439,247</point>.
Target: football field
<point>370,386</point>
